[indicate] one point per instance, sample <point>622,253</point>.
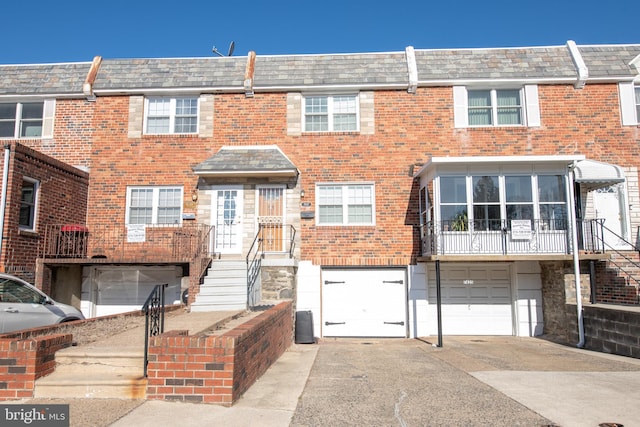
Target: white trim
<point>627,104</point>
<point>581,67</point>
<point>155,200</point>
<point>412,67</point>
<point>172,115</point>
<point>460,115</point>
<point>532,110</point>
<point>36,202</point>
<point>238,243</point>
<point>330,112</point>
<point>344,186</point>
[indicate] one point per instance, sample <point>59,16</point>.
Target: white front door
<point>226,216</point>
<point>609,205</point>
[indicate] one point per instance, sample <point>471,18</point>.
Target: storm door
<point>227,219</point>
<point>271,209</point>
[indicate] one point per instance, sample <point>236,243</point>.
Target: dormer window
<point>171,115</point>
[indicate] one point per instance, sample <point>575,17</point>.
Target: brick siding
<point>23,361</point>
<point>217,369</point>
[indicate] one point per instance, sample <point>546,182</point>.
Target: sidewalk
<point>270,402</point>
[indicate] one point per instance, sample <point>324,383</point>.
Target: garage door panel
<point>364,303</point>
<point>476,300</point>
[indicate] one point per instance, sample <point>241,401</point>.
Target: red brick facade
<point>62,199</point>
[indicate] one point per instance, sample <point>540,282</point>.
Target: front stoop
<point>224,288</point>
<point>95,372</point>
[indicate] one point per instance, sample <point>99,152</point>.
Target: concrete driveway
<point>470,381</point>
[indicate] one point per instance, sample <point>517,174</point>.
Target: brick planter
<point>217,369</point>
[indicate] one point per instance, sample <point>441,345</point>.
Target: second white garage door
<point>364,303</point>
<point>476,299</point>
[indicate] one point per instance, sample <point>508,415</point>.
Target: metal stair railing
<point>599,236</point>
<point>254,263</point>
<point>153,308</point>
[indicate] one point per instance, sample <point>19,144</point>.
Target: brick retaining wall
<point>217,368</point>
<point>23,361</point>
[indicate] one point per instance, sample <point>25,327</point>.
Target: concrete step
<point>85,382</point>
<point>98,372</point>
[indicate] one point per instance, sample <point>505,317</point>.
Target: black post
<point>592,280</point>
<point>439,303</point>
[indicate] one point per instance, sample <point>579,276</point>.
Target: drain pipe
<point>3,202</point>
<point>576,258</point>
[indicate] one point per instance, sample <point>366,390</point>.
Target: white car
<point>23,306</point>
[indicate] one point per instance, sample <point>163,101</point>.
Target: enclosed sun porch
<point>539,207</point>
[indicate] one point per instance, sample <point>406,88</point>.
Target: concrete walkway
<point>471,381</point>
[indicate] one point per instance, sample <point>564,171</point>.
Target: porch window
<point>553,202</point>
<point>492,202</point>
<point>349,204</point>
<point>453,203</point>
<point>519,198</point>
<point>154,205</point>
<point>486,203</point>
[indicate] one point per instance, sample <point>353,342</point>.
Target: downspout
<point>5,184</point>
<point>576,258</point>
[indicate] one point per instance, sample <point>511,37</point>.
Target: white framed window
<point>154,205</point>
<point>333,113</point>
<point>491,202</point>
<point>171,115</point>
<point>28,204</point>
<point>21,119</point>
<point>345,204</point>
<point>485,107</point>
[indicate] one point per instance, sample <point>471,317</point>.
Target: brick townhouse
<point>364,186</point>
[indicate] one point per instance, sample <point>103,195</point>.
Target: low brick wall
<point>23,361</point>
<point>217,368</point>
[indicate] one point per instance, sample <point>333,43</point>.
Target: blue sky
<point>48,31</point>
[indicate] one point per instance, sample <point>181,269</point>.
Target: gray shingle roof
<point>508,63</point>
<point>339,69</point>
<point>607,61</point>
<point>258,159</point>
<point>384,69</point>
<point>131,74</point>
<point>43,78</point>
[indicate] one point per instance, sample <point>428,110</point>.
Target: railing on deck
<point>153,309</point>
<point>139,243</point>
<point>496,237</point>
<point>270,238</point>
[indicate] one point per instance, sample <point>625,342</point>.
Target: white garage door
<point>476,300</point>
<point>364,303</point>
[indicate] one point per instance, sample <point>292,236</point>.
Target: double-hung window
<point>21,119</point>
<point>28,204</point>
<point>171,115</point>
<point>485,107</point>
<point>337,113</point>
<point>154,205</point>
<point>346,204</point>
<point>495,107</point>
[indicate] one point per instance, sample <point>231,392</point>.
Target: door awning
<point>598,173</point>
<point>247,161</point>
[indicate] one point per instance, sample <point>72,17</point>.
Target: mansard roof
<point>39,79</point>
<point>352,71</point>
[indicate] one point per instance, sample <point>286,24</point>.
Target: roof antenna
<point>230,52</point>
